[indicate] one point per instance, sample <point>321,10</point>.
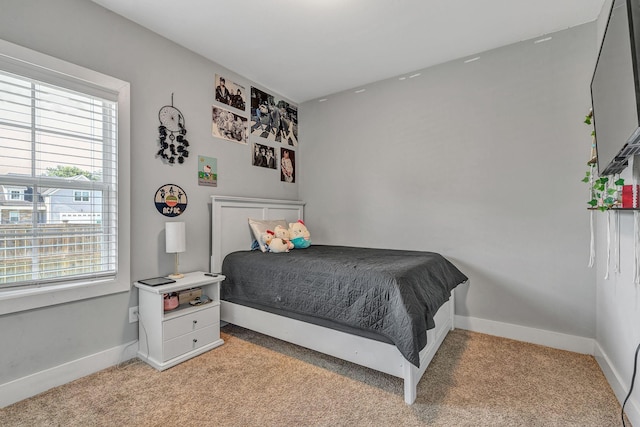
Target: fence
<point>50,251</point>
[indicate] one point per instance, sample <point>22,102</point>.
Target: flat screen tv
<point>615,89</point>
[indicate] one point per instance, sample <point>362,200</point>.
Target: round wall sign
<point>170,200</point>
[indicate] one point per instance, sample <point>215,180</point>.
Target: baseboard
<point>523,333</point>
<point>22,388</point>
<point>619,385</point>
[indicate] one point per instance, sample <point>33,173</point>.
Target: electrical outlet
<point>133,314</point>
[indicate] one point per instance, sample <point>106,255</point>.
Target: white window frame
<point>79,196</point>
<point>13,191</point>
<point>26,62</point>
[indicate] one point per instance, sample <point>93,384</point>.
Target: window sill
<point>13,301</point>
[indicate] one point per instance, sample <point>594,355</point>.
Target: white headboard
<point>230,226</point>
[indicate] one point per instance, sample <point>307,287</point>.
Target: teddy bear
<point>278,245</point>
<point>299,234</point>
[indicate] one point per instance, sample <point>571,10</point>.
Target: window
<point>81,196</point>
<point>57,140</point>
<point>15,194</point>
<point>60,152</point>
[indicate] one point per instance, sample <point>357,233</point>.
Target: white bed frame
<point>230,232</point>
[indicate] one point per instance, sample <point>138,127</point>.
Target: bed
<point>390,344</point>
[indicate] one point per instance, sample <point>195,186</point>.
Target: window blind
<point>58,183</point>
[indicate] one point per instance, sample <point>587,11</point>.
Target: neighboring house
<point>54,205</point>
<point>74,206</point>
<point>16,205</point>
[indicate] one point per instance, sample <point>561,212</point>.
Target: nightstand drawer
<point>190,322</point>
<point>194,340</point>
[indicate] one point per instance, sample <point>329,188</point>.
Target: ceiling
<point>305,49</point>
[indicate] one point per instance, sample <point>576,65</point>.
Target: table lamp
<point>176,242</point>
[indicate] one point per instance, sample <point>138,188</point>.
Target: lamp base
<point>176,276</point>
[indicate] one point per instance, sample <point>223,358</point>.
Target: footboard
<point>444,323</point>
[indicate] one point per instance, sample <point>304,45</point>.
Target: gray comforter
<point>392,293</point>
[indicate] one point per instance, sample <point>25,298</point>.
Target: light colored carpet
<point>254,380</point>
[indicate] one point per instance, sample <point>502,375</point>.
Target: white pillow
<point>260,226</point>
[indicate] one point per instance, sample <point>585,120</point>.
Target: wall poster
<point>229,125</point>
<point>207,171</point>
<point>230,93</point>
<point>273,119</point>
<point>287,165</point>
<point>264,156</point>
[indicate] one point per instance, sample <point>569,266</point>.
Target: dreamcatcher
<point>172,127</point>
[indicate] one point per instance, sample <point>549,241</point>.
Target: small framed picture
<point>207,171</point>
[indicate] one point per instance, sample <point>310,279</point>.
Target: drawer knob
<point>195,340</point>
<point>195,321</point>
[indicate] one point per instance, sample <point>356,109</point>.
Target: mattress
<point>385,294</point>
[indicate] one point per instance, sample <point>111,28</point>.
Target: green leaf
<point>603,180</point>
<point>587,120</point>
<point>609,201</point>
<point>585,179</point>
<point>619,182</point>
<point>611,191</point>
<point>593,202</point>
<point>71,171</point>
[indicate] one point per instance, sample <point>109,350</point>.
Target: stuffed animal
<point>267,236</point>
<point>279,245</point>
<point>281,232</point>
<point>300,236</point>
<point>276,244</point>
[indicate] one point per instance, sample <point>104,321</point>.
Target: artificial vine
<point>602,194</point>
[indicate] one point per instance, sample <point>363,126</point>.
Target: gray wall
<point>481,162</point>
<point>83,33</point>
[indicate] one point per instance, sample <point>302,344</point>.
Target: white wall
<point>84,33</point>
<point>481,162</point>
<point>618,298</point>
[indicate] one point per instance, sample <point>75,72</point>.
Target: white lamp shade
<point>176,237</point>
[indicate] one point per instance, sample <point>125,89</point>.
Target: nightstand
<point>167,338</point>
